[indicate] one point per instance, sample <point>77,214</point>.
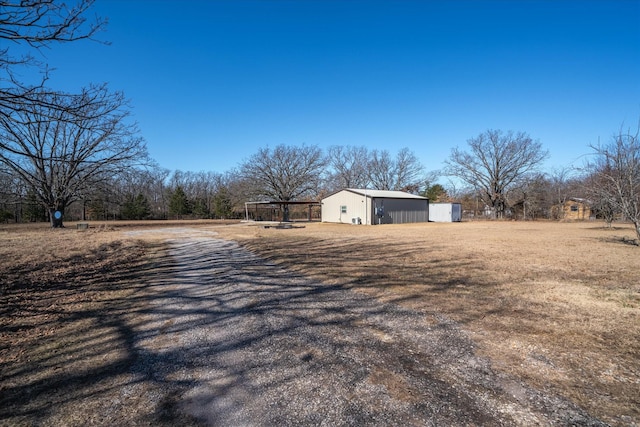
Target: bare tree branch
<point>62,145</point>
<point>285,173</point>
<point>495,164</point>
<point>348,167</point>
<point>34,25</point>
<point>615,180</point>
<point>404,173</point>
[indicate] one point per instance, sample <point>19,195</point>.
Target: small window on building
<point>574,208</point>
<point>343,209</point>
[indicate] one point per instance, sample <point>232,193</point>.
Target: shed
<point>362,206</point>
<point>445,212</point>
<point>576,209</point>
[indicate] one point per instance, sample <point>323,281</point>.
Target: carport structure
<point>269,210</point>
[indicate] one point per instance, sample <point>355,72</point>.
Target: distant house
<point>362,206</point>
<point>576,209</point>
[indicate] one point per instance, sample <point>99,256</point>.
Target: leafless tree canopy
<point>357,167</point>
<point>615,183</point>
<point>495,163</point>
<point>32,25</point>
<point>381,170</point>
<point>408,171</point>
<point>40,23</point>
<point>348,167</point>
<point>404,173</point>
<point>64,150</point>
<point>285,173</point>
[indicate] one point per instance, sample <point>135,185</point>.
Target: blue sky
<point>211,82</point>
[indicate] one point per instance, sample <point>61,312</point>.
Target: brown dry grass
<point>70,303</point>
<point>555,304</point>
<point>64,332</point>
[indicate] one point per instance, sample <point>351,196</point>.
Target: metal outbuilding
<point>445,212</point>
<point>362,206</point>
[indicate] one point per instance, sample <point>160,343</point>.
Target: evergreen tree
<point>143,207</point>
<point>5,215</point>
<point>222,205</point>
<point>178,203</point>
<point>435,193</point>
<point>200,208</point>
<point>135,207</point>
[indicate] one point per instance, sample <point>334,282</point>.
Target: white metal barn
<point>445,212</point>
<point>357,206</point>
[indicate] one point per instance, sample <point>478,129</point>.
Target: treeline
<point>283,173</point>
<point>80,156</point>
<point>296,173</point>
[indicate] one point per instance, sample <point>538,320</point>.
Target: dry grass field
<point>554,304</point>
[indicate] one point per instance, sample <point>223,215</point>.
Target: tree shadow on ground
<point>205,332</point>
<point>396,271</point>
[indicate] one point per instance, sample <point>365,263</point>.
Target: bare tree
<point>42,22</point>
<point>12,193</point>
<point>234,189</point>
<point>203,187</point>
<point>131,182</point>
<point>348,167</point>
<point>558,189</point>
<point>495,163</point>
<point>63,151</point>
<point>616,169</point>
<point>285,173</point>
<point>408,171</point>
<point>603,203</point>
<point>155,185</point>
<point>381,170</point>
<point>32,25</point>
<point>533,197</point>
<point>200,188</point>
<point>404,173</point>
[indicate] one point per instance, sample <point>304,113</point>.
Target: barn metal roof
<point>385,194</point>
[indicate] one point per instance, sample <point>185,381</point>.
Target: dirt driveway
<point>227,339</point>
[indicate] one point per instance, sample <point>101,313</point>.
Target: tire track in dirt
<point>229,339</point>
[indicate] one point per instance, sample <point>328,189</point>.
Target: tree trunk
<point>55,217</point>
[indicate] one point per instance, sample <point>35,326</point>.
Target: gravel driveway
<point>228,339</point>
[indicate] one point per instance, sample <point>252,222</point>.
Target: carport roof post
<point>279,203</point>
